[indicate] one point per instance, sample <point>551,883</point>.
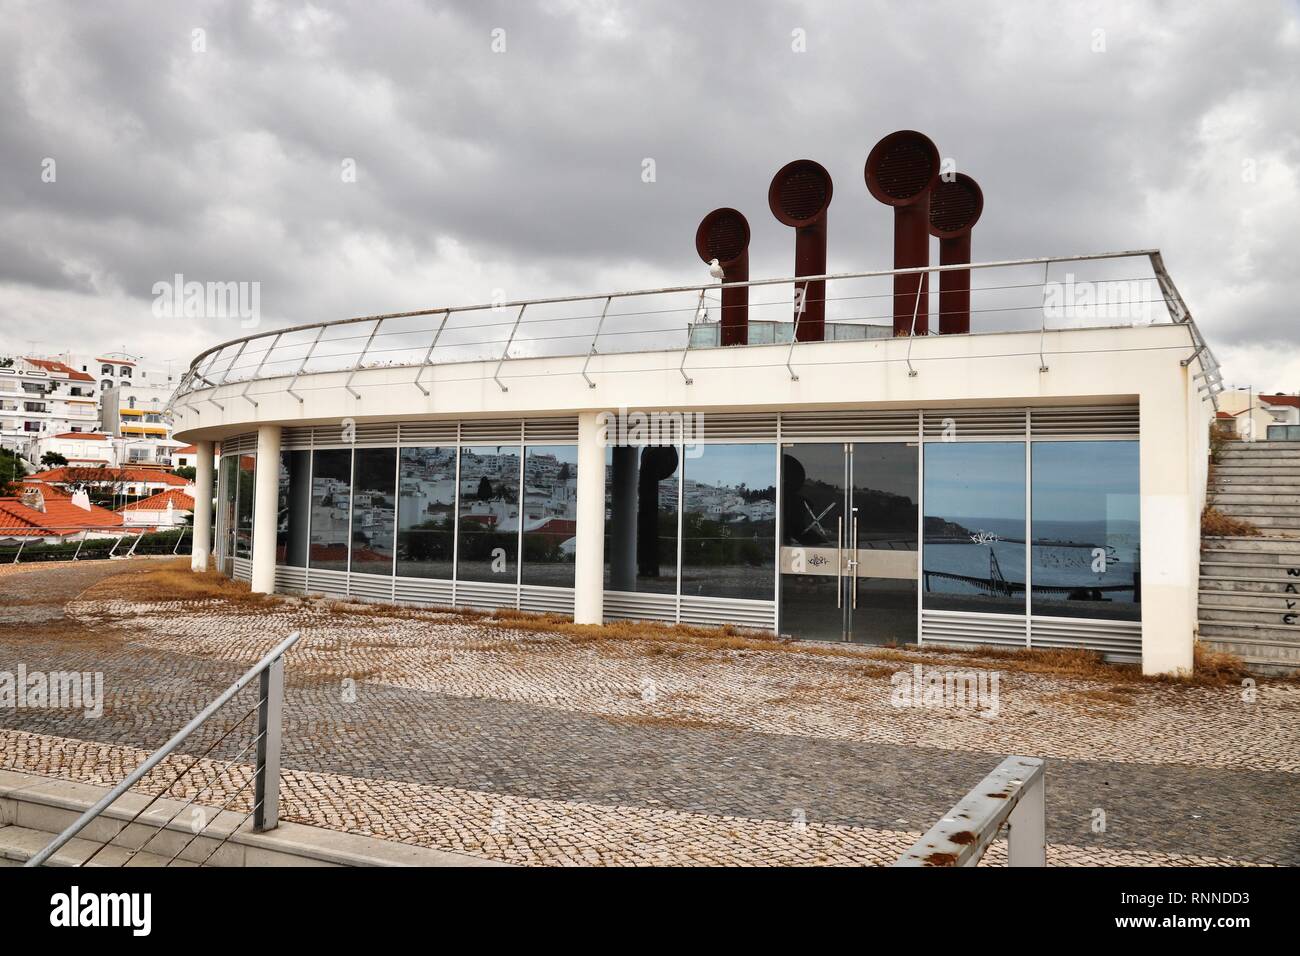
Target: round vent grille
<point>955,206</point>
<point>723,235</point>
<point>901,167</point>
<point>800,192</point>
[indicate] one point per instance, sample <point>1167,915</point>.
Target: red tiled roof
<point>1292,401</point>
<point>179,500</point>
<point>1224,415</point>
<point>68,474</point>
<point>187,450</point>
<point>52,366</point>
<point>60,517</point>
<point>95,436</point>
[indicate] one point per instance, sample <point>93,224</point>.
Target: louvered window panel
<point>478,431</point>
<point>550,431</point>
<point>429,433</point>
<point>965,423</point>
<point>848,425</point>
<point>1099,421</point>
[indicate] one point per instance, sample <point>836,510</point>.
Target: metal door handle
<point>839,562</point>
<point>855,562</point>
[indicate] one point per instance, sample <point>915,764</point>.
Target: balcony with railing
<point>1035,297</point>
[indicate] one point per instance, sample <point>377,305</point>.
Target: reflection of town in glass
<point>728,523</point>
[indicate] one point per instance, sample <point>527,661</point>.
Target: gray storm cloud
<point>521,170</point>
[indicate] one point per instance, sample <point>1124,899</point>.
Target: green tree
<point>12,469</point>
<point>188,472</point>
<point>52,459</point>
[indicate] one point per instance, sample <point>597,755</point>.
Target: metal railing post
<point>177,548</point>
<point>496,376</point>
<point>77,553</point>
<point>592,350</point>
<point>257,371</point>
<point>270,713</point>
<point>687,348</point>
<point>1027,825</point>
<point>303,366</point>
<point>134,544</point>
<point>1042,332</point>
<point>19,552</point>
<point>429,353</point>
<point>361,358</point>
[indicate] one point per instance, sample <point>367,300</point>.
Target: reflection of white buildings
<point>726,503</point>
<point>330,519</point>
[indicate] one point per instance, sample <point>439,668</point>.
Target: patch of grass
<point>174,581</point>
<point>1216,524</point>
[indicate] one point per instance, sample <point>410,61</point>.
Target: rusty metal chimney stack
<point>955,207</point>
<point>724,235</point>
<point>799,196</point>
<point>901,171</point>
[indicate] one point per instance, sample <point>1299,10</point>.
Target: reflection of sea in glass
<point>974,554</point>
<point>1086,531</point>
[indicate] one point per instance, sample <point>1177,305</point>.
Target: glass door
<point>849,541</point>
<point>814,500</point>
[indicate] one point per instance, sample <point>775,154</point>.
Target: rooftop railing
<point>1025,295</point>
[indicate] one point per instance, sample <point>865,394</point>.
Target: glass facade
<point>488,538</point>
<point>729,521</point>
<point>550,515</point>
<point>974,551</point>
<point>1085,555</point>
<point>641,505</point>
<point>374,509</point>
<point>293,510</point>
<point>426,513</point>
<point>331,508</point>
<point>244,506</point>
<point>1056,533</point>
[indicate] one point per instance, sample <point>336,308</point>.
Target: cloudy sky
<point>221,155</point>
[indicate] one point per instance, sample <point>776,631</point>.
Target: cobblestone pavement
<point>551,748</point>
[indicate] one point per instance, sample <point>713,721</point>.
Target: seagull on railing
<point>715,269</point>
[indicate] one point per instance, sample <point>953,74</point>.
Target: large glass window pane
<point>974,549</point>
<point>293,513</point>
<point>227,490</point>
<point>244,507</point>
<point>1085,554</point>
<point>331,505</point>
<point>426,524</point>
<point>729,521</point>
<point>489,514</point>
<point>641,490</point>
<point>550,514</point>
<point>374,481</point>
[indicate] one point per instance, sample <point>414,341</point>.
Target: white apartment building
<point>39,398</point>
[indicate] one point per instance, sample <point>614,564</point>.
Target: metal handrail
<point>352,357</point>
<point>1014,795</point>
<point>268,748</point>
<point>80,534</point>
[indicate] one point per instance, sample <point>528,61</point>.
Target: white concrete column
<point>266,491</point>
<point>201,546</point>
<point>589,582</point>
<point>1170,525</point>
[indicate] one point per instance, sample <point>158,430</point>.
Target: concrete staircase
<point>1250,587</point>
